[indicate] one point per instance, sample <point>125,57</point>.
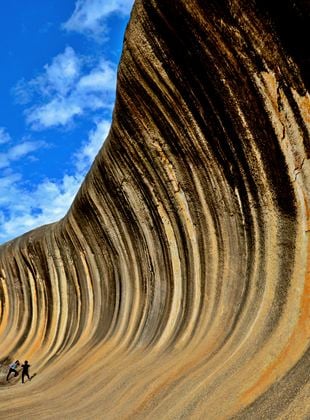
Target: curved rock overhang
<point>177,286</point>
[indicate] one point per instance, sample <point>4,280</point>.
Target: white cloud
<point>18,151</point>
<point>50,199</point>
<point>86,155</point>
<point>102,77</point>
<point>7,182</point>
<point>22,92</point>
<point>47,203</point>
<point>90,16</point>
<point>62,73</point>
<point>4,136</point>
<point>67,88</point>
<point>22,149</point>
<point>15,202</point>
<point>57,112</point>
<point>56,78</point>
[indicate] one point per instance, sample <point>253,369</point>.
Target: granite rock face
<point>177,286</point>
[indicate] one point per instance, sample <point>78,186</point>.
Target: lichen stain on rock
<point>177,286</point>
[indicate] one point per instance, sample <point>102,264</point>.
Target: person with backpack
<point>25,371</point>
<point>12,369</point>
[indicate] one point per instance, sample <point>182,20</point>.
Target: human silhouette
<point>12,369</point>
<point>25,371</point>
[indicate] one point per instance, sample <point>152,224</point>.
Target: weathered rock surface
<point>177,286</point>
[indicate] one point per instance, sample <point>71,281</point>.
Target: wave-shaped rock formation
<point>177,286</point>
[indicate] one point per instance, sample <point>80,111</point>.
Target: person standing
<point>25,371</point>
<point>12,369</point>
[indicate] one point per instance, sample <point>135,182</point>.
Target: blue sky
<point>58,66</point>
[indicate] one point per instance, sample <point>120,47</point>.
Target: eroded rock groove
<point>177,286</point>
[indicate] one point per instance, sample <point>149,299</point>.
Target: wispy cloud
<point>87,153</point>
<point>67,88</point>
<point>57,112</point>
<point>47,203</point>
<point>70,87</point>
<point>100,78</point>
<point>22,92</point>
<point>4,136</point>
<point>61,74</point>
<point>18,151</point>
<point>50,199</point>
<point>90,16</point>
<point>19,208</point>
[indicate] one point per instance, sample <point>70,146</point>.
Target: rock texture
<point>177,286</point>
